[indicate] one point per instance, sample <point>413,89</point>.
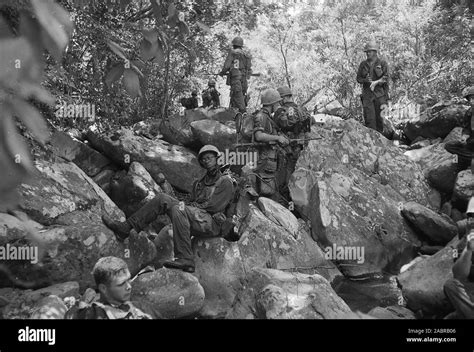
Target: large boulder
<point>437,121</point>
<point>456,135</point>
<point>177,164</point>
<point>71,149</point>
<point>45,303</point>
<point>215,133</point>
<point>177,129</point>
<point>275,294</point>
<point>279,215</point>
<point>130,191</point>
<point>221,266</point>
<point>364,295</point>
<point>174,293</point>
<point>439,166</point>
<point>422,284</point>
<point>438,228</point>
<point>392,312</point>
<point>68,205</point>
<point>464,187</point>
<point>350,184</point>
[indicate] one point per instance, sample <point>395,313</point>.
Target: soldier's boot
<point>180,264</point>
<point>121,229</point>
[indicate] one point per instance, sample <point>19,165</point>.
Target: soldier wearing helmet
<point>266,131</point>
<point>465,150</point>
<point>210,96</point>
<point>294,121</point>
<point>460,289</point>
<point>238,68</point>
<point>203,216</point>
<point>190,102</point>
<point>373,75</point>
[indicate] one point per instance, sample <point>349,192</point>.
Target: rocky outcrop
<point>392,312</point>
<point>437,228</point>
<point>179,165</point>
<point>422,284</point>
<point>350,185</point>
<point>464,187</point>
<point>275,294</point>
<point>437,121</point>
<point>175,294</point>
<point>70,236</point>
<point>439,166</point>
<point>71,149</point>
<point>221,266</point>
<point>45,303</point>
<point>130,191</point>
<point>215,133</point>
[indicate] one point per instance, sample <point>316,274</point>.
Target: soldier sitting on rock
<point>207,216</point>
<point>190,102</point>
<point>465,150</point>
<point>112,278</point>
<point>460,289</point>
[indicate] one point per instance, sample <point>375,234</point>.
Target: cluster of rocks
<point>352,188</point>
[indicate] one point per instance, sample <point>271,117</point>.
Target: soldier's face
<point>209,161</point>
<point>371,54</point>
<point>119,289</point>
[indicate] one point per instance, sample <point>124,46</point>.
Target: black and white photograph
<point>235,161</point>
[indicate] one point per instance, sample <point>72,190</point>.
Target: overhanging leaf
<point>147,51</point>
<point>171,10</point>
<point>56,26</point>
<point>114,74</point>
<point>203,27</point>
<point>150,34</point>
<point>183,29</point>
<point>32,119</point>
<point>131,83</point>
<point>117,49</point>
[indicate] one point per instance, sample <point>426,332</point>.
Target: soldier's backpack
<point>245,127</point>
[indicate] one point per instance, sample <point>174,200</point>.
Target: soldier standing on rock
<point>465,150</point>
<point>460,289</point>
<point>294,122</point>
<point>210,96</point>
<point>238,68</point>
<point>266,132</point>
<point>373,75</point>
<point>206,217</point>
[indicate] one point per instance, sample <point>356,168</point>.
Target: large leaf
<point>156,5</point>
<point>32,90</point>
<point>56,26</point>
<point>117,49</point>
<point>17,62</point>
<point>32,119</point>
<point>114,74</point>
<point>132,83</point>
<point>147,50</point>
<point>183,29</point>
<point>15,161</point>
<point>172,10</point>
<point>151,35</point>
<point>203,27</point>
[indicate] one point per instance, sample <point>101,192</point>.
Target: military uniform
<point>238,67</point>
<point>103,310</point>
<point>268,155</point>
<point>461,293</point>
<point>372,101</point>
<point>294,122</point>
<point>210,98</point>
<point>190,103</point>
<point>203,218</point>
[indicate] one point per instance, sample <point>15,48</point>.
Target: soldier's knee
<point>178,210</point>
